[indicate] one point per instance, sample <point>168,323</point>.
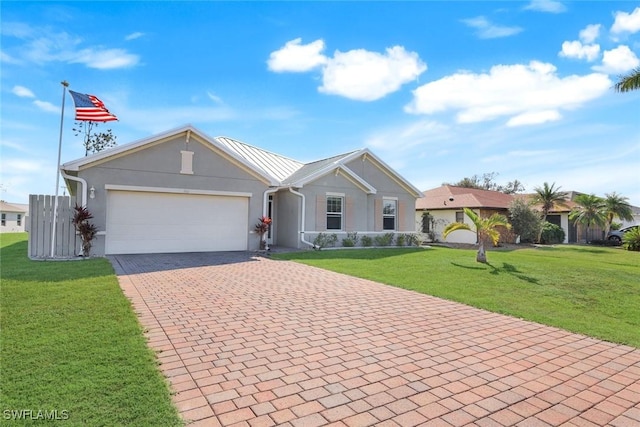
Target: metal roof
<point>275,165</point>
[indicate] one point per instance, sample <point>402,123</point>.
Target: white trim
<point>176,190</point>
<point>389,198</point>
<point>332,194</point>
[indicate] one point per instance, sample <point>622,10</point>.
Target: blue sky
<point>439,90</point>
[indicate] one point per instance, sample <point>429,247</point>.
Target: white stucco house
<point>13,217</point>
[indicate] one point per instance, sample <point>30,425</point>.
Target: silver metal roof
<point>275,165</point>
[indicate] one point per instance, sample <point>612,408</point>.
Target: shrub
<point>412,239</point>
<point>525,221</point>
<point>400,240</point>
<point>366,241</point>
<point>351,240</point>
<point>384,239</point>
<point>86,229</point>
<point>631,239</point>
<point>323,240</point>
<point>551,234</point>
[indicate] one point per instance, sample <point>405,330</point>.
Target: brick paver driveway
<point>250,341</point>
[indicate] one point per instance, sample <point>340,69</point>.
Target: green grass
<point>588,290</point>
<point>72,344</point>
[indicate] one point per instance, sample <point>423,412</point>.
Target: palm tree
<point>629,82</point>
<point>616,205</point>
<point>548,196</point>
<point>485,229</point>
<point>590,211</point>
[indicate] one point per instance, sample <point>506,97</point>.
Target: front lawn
<point>589,290</point>
<point>72,348</point>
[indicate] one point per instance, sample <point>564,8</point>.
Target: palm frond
<point>628,82</point>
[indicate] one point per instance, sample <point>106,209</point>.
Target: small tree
<point>86,229</point>
<point>590,211</point>
<point>486,229</point>
<point>94,142</point>
<point>616,205</point>
<point>525,220</point>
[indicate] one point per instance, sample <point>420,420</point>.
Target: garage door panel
<point>143,222</point>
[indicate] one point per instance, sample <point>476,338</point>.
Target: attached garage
<point>164,222</point>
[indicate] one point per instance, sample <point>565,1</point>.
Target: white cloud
<point>23,92</point>
<point>487,30</point>
<point>215,98</point>
<point>106,59</point>
<point>534,118</point>
<point>296,57</point>
<point>366,76</point>
<point>46,106</point>
<point>134,36</point>
<point>43,45</point>
<point>550,6</point>
<point>626,22</point>
<point>8,59</point>
<point>618,60</point>
<point>577,50</point>
<point>590,33</point>
<point>526,94</point>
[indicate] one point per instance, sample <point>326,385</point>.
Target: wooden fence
<point>41,215</point>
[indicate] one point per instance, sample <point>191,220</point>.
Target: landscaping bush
<point>631,239</point>
<point>323,240</point>
<point>400,239</point>
<point>551,234</point>
<point>351,240</point>
<point>366,241</point>
<point>384,239</point>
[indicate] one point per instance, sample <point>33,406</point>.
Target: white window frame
<point>393,215</point>
<point>460,214</point>
<point>19,220</point>
<point>4,219</point>
<point>330,214</point>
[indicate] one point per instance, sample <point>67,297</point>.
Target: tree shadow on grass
<point>505,269</point>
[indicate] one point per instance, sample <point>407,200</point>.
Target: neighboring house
<point>445,205</point>
<point>12,217</point>
<point>183,191</point>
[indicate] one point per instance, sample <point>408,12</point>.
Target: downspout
<point>265,201</point>
<point>301,231</point>
<point>81,181</point>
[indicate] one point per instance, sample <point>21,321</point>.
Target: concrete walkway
<point>249,341</point>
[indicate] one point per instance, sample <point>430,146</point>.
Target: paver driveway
<point>250,341</point>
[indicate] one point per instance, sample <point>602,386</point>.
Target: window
<point>334,213</point>
<point>19,220</point>
<point>4,219</point>
<point>460,217</point>
<point>389,215</point>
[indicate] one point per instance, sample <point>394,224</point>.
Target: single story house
<point>183,191</point>
<point>13,217</point>
<point>445,204</point>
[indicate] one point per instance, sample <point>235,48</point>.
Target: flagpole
<point>65,85</point>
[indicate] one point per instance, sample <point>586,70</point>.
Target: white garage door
<point>145,222</point>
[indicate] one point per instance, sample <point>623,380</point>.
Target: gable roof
<point>463,197</point>
<point>7,207</point>
<point>276,169</point>
<point>279,167</point>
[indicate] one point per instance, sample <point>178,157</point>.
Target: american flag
<point>89,107</point>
